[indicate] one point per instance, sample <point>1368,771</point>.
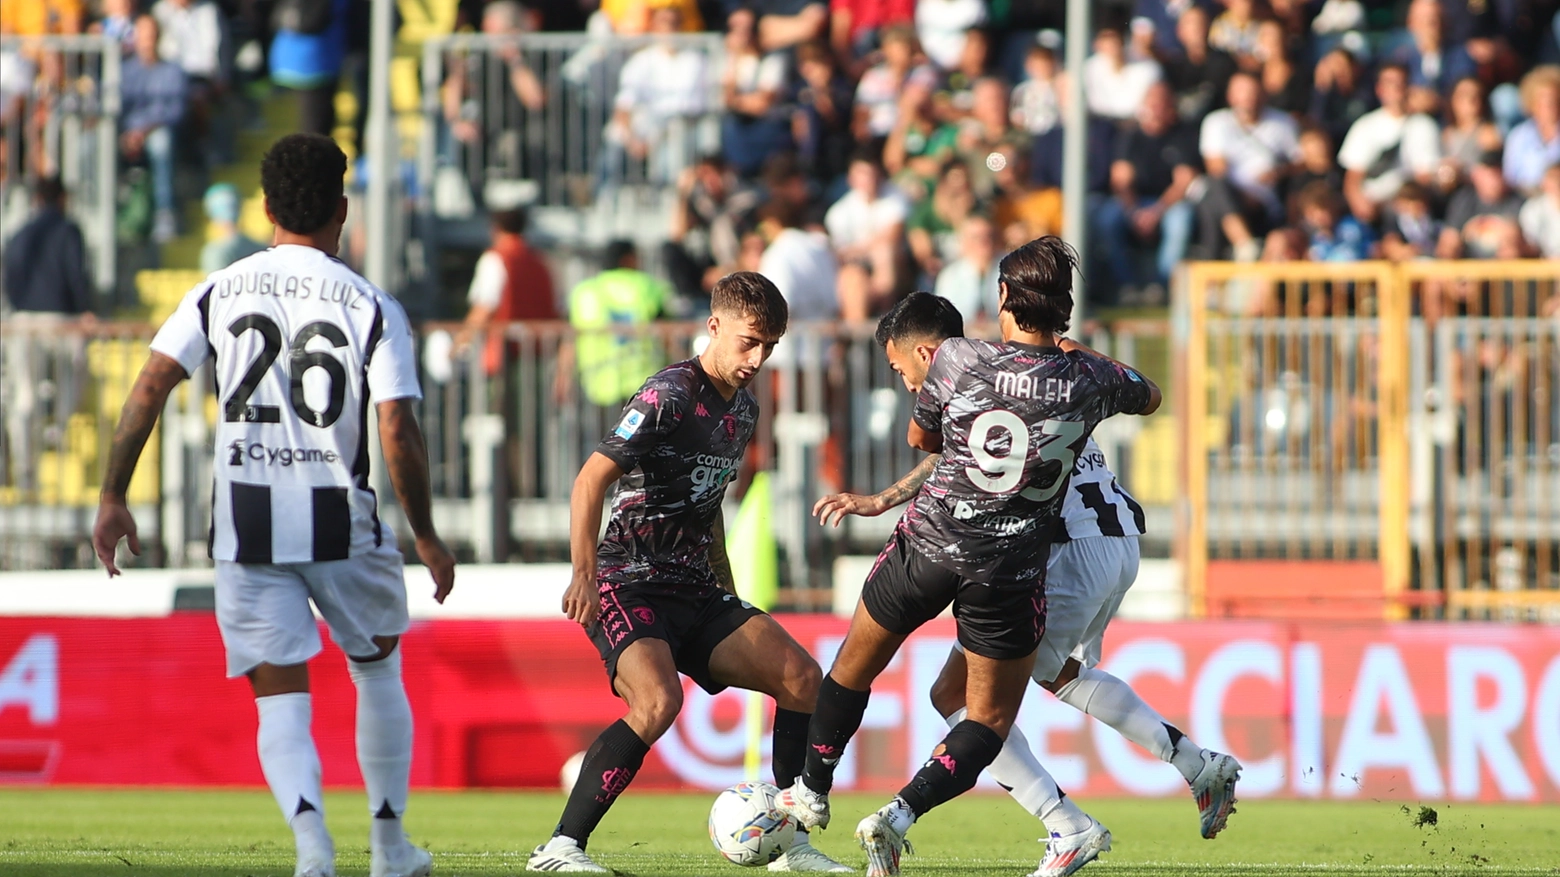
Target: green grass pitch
<point>131,832</point>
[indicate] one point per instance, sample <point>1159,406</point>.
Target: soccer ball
<point>747,828</point>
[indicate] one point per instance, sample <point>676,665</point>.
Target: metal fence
<point>1391,425</point>
<point>64,122</point>
<point>536,112</point>
<point>503,446</point>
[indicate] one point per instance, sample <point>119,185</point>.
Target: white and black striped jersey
<point>300,344</point>
<point>1096,505</point>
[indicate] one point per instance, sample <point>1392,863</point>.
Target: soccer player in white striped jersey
<point>300,344</point>
<point>1094,560</point>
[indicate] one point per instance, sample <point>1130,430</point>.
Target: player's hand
<point>832,509</point>
<point>581,601</point>
<point>113,523</point>
<point>441,564</point>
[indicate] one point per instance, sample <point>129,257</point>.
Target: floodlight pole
<point>379,146</point>
<point>1075,145</point>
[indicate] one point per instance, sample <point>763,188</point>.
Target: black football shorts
<point>905,590</point>
<point>692,621</point>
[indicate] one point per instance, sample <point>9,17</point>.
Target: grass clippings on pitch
<point>154,833</point>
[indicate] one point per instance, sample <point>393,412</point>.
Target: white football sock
<point>291,764</point>
<point>384,744</point>
<point>899,815</point>
<point>1030,784</point>
<point>1113,702</point>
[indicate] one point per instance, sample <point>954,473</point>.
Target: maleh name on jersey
<point>300,287</point>
<point>1034,387</point>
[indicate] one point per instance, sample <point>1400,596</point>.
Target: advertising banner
<point>1409,712</point>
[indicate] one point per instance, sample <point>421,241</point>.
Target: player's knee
<point>947,695</point>
<point>802,677</point>
<point>657,709</point>
<point>379,667</point>
<point>999,721</point>
<point>1064,677</point>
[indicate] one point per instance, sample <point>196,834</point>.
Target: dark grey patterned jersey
<point>1013,418</point>
<point>679,443</point>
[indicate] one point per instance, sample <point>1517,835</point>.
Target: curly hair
<point>753,296</point>
<point>1039,278</point>
<point>301,176</point>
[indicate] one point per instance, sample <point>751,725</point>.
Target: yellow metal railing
<point>1299,382</point>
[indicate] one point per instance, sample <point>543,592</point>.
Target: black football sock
<point>790,745</point>
<point>833,724</point>
<point>608,768</point>
<point>953,768</point>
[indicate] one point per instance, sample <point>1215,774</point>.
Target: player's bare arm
<point>720,563</point>
<point>1154,396</point>
<point>157,379</point>
<point>924,439</point>
<point>580,601</point>
<point>832,509</point>
<point>406,456</point>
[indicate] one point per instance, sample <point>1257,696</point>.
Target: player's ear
<point>713,324</point>
<point>270,217</point>
<point>341,210</point>
<point>1001,293</point>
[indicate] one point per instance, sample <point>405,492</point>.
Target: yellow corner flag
<point>755,565</point>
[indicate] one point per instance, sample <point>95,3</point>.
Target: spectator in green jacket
<point>605,310</point>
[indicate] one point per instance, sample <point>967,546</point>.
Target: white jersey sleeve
<point>392,364</point>
<point>183,338</point>
<point>1095,504</point>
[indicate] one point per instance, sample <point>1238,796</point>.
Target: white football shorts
<point>1085,581</point>
<point>264,616</point>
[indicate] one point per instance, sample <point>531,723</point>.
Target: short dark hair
<point>510,221</point>
<point>1397,66</point>
<point>1039,277</point>
<point>920,316</point>
<point>1321,195</point>
<point>865,154</point>
<point>616,252</point>
<point>302,176</point>
<point>754,296</point>
<point>49,190</point>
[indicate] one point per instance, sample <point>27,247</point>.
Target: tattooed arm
<point>831,510</point>
<point>719,562</point>
<point>406,459</point>
<point>157,379</point>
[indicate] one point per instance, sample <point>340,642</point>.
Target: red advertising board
<point>1413,711</point>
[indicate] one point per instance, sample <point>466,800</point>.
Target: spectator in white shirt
<point>659,85</point>
<point>1540,216</point>
<point>1114,87</point>
<point>1247,149</point>
<point>192,34</point>
<point>754,126</point>
<point>970,281</point>
<point>1387,147</point>
<point>802,265</point>
<point>867,228</point>
<point>942,25</point>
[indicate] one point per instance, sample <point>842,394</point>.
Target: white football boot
<point>803,856</point>
<point>809,809</point>
<point>316,853</point>
<point>1064,855</point>
<point>404,860</point>
<point>1214,791</point>
<point>883,842</point>
<point>563,854</point>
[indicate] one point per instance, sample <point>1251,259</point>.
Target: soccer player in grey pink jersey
<point>1008,420</point>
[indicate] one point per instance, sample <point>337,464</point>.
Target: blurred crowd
<point>898,144</point>
<point>191,74</point>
